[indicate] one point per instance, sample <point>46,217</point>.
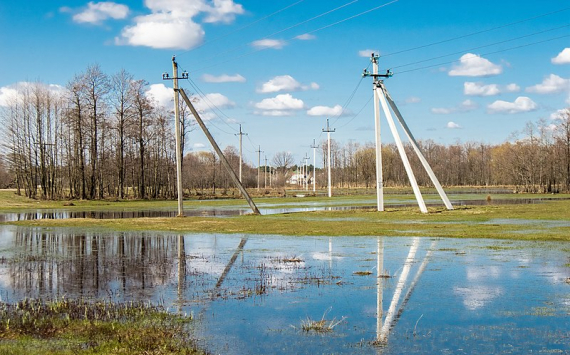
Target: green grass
<point>78,327</point>
<point>462,222</point>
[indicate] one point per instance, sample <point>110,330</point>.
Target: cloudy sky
<point>463,70</point>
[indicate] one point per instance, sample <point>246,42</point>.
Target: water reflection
<point>236,211</point>
<point>235,283</point>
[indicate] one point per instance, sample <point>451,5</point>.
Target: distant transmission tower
<point>381,95</point>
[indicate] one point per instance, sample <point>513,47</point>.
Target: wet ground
<point>252,294</point>
<point>265,208</point>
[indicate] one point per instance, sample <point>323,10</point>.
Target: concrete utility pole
<point>258,151</point>
<point>240,134</point>
<point>381,94</point>
<point>221,155</point>
<point>314,146</point>
<point>265,173</point>
<point>379,178</point>
<point>305,174</point>
<point>177,132</point>
<point>329,130</point>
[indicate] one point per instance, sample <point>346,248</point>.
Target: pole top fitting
<point>174,58</point>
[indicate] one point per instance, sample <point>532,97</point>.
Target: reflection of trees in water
<point>53,264</point>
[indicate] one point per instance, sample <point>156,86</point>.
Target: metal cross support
<point>382,96</point>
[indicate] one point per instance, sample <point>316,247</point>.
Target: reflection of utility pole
<point>240,134</point>
<point>177,132</point>
<point>258,151</point>
<point>328,130</point>
<point>314,146</point>
<point>379,287</point>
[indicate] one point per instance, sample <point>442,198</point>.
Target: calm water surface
<point>251,293</point>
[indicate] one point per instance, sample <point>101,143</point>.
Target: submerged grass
<point>79,327</point>
<point>462,222</point>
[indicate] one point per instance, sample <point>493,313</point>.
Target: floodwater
<point>251,294</point>
<point>264,208</point>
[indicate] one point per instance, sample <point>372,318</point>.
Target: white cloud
<point>212,100</point>
<point>280,102</point>
<point>223,11</point>
<point>521,104</point>
<point>7,95</point>
<point>98,12</point>
<point>413,100</point>
<point>478,89</point>
<point>10,93</point>
<point>268,43</point>
<point>306,37</point>
<point>551,85</point>
<point>162,95</point>
<point>163,31</point>
<point>198,146</point>
<point>465,106</point>
<point>453,125</point>
<point>224,78</point>
<point>560,114</point>
<point>326,111</point>
<point>474,65</point>
<point>512,88</point>
<point>562,57</point>
<point>171,25</point>
<point>281,105</point>
<point>285,83</point>
<point>366,53</point>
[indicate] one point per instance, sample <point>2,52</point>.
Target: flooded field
<point>265,208</point>
<point>261,294</point>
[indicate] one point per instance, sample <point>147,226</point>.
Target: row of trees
<point>103,136</point>
<point>534,160</point>
<point>99,136</point>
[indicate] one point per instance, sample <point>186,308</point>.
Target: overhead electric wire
<point>479,47</point>
<point>233,49</point>
<point>358,113</point>
<point>475,33</point>
<point>488,53</point>
<point>294,37</point>
<point>245,26</point>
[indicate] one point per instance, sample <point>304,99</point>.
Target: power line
<point>310,32</point>
<point>475,33</point>
<point>479,47</point>
<point>246,26</point>
<point>488,53</point>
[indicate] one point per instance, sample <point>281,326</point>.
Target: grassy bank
<point>544,221</point>
<point>63,327</point>
<point>549,220</point>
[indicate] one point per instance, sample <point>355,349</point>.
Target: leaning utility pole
<point>329,130</point>
<point>177,132</point>
<point>221,155</point>
<point>314,146</point>
<point>381,94</point>
<point>240,134</point>
<point>258,151</point>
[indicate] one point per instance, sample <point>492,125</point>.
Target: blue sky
<point>280,68</point>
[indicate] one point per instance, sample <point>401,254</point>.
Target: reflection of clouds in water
<point>323,256</point>
<point>483,273</point>
<point>475,297</point>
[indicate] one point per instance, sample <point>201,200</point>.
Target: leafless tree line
<point>535,160</point>
<point>103,136</point>
<point>99,136</point>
